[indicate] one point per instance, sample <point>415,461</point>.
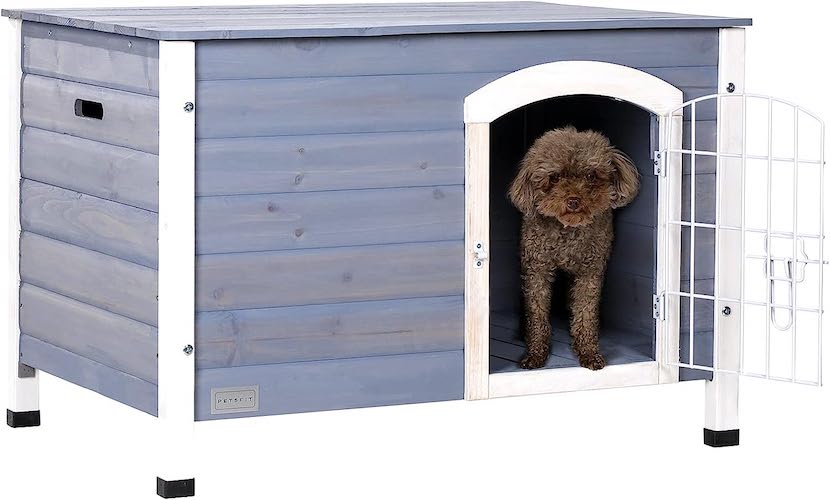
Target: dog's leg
<point>536,285</point>
<point>584,300</point>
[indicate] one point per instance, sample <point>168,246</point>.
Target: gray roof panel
<point>283,21</point>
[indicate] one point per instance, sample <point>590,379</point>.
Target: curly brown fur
<point>567,186</point>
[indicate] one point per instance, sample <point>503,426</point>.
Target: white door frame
<point>481,108</point>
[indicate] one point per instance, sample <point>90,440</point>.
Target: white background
<point>628,443</point>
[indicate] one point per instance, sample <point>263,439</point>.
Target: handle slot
<point>89,109</point>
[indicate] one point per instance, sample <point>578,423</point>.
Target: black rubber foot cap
<point>175,489</point>
<point>717,439</point>
<point>23,418</point>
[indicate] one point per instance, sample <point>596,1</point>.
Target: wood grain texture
<point>263,165</point>
<point>463,53</point>
<point>127,389</point>
<point>129,119</point>
<point>338,384</point>
<point>106,282</point>
<point>86,221</point>
<point>477,277</point>
<point>326,219</point>
<point>200,23</point>
<point>297,106</point>
<point>118,174</point>
<point>334,331</point>
<point>102,59</point>
<point>112,340</point>
<point>23,383</point>
<point>300,277</point>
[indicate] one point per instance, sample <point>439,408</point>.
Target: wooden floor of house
<point>507,345</point>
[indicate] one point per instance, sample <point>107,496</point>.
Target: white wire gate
<point>744,237</point>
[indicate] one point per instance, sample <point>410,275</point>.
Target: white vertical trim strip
<point>722,392</point>
<point>177,256</point>
<point>476,279</point>
<point>23,392</point>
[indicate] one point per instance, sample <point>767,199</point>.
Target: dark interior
<point>627,328</point>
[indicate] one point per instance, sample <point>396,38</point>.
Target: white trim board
<point>177,257</point>
<point>564,78</point>
<point>23,392</point>
<point>721,411</point>
<point>573,379</point>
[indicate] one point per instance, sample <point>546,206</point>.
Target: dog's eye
<point>554,178</point>
<point>591,177</point>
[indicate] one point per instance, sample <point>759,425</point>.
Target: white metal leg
<point>23,409</point>
<point>177,261</point>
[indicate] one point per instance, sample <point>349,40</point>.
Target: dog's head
<point>573,176</point>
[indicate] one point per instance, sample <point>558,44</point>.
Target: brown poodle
<point>567,185</point>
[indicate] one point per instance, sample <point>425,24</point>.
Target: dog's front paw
<point>533,360</point>
<point>592,361</point>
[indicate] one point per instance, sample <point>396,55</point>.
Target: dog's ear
<point>625,180</point>
<point>521,191</point>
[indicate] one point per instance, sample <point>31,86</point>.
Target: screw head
<point>478,263</point>
<point>189,106</point>
<point>188,350</point>
<point>726,311</point>
<point>730,87</point>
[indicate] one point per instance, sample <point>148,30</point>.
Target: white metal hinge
<point>479,254</point>
<point>659,159</point>
<point>658,306</point>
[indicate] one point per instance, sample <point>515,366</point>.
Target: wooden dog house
<point>230,212</point>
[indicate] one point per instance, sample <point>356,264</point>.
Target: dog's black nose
<point>573,203</point>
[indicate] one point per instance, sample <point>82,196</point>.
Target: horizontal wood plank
<point>460,53</point>
<point>129,119</point>
<point>297,106</point>
<point>103,59</point>
<point>300,277</point>
<point>326,219</point>
<point>112,340</point>
<point>127,389</point>
<point>333,331</point>
<point>110,172</point>
<point>111,228</point>
<point>102,281</point>
<point>329,162</point>
<point>338,384</point>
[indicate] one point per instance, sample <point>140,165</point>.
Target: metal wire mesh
<point>784,271</point>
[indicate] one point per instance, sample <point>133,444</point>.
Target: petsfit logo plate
<point>234,400</point>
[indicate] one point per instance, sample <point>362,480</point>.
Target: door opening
<point>627,328</point>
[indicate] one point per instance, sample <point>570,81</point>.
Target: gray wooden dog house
<point>240,211</point>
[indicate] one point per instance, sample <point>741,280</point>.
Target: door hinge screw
<point>730,87</point>
<point>189,106</point>
<point>726,311</point>
<point>188,349</point>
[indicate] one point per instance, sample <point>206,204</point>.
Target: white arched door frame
<point>481,108</point>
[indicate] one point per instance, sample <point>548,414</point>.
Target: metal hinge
<point>658,306</point>
<point>659,163</point>
<point>479,254</point>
